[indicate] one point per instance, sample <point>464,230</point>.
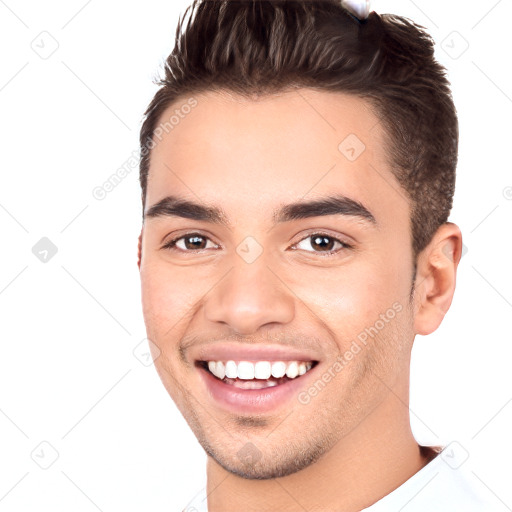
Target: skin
<point>352,443</point>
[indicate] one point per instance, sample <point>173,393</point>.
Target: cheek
<point>350,300</point>
<point>167,296</point>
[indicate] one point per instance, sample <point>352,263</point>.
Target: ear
<point>435,278</point>
<point>140,249</point>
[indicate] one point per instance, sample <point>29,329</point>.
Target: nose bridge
<point>249,296</point>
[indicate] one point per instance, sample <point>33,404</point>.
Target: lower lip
<point>238,400</point>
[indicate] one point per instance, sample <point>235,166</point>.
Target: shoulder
<point>445,484</point>
<point>198,502</point>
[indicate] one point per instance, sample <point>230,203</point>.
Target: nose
<point>249,297</point>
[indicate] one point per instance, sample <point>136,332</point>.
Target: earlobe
<point>139,249</point>
<point>435,278</point>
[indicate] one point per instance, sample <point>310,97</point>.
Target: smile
<point>257,374</point>
<point>253,386</point>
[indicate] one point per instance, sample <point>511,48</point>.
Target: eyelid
<point>320,232</point>
<point>171,244</point>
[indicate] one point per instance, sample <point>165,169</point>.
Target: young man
<point>298,168</point>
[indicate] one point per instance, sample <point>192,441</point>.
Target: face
<point>298,249</point>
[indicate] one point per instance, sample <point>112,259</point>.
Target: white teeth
<point>221,372</point>
<point>261,370</point>
<point>217,368</point>
<point>254,384</point>
<point>231,371</point>
<point>293,370</point>
<point>245,370</point>
<point>278,369</point>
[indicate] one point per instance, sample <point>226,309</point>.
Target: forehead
<point>250,153</point>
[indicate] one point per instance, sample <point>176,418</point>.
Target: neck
<point>371,461</point>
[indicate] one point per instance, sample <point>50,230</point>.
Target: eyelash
<point>171,245</point>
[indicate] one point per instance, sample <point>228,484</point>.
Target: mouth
<point>251,375</point>
<point>242,378</point>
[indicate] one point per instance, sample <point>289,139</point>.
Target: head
<point>297,173</point>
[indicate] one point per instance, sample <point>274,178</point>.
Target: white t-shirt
<point>445,484</point>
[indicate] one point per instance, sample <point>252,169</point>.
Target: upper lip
<point>238,352</point>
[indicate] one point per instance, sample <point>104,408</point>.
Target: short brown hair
<point>259,47</point>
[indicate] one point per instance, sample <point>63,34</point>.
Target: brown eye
<point>322,243</point>
<point>195,242</point>
<point>188,243</point>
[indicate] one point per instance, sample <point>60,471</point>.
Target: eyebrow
<point>172,206</point>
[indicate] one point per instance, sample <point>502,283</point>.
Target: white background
<point>68,329</point>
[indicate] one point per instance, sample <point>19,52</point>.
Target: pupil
<point>318,240</point>
<point>195,240</point>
